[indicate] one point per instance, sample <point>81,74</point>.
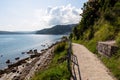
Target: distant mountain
<point>7,32</point>
<point>17,32</point>
<point>58,29</point>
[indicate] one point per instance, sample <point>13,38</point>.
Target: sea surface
<point>11,46</point>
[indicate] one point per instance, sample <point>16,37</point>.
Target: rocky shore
<point>24,69</point>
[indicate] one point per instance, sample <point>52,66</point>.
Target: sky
<point>31,15</point>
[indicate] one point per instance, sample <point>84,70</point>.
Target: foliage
<point>106,32</point>
<point>118,40</point>
<point>100,22</point>
<point>60,47</point>
<point>109,16</point>
<point>56,70</point>
<point>94,12</point>
<point>113,64</point>
<point>116,8</point>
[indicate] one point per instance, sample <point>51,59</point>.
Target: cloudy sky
<point>30,15</point>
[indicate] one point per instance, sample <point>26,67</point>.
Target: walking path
<point>91,68</point>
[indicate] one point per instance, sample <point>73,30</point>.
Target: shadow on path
<point>74,69</point>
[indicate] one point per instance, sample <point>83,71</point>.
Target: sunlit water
<point>11,46</point>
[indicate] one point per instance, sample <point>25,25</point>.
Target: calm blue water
<point>11,46</point>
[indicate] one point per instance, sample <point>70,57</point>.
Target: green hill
<point>58,29</point>
<point>100,22</point>
<point>99,18</point>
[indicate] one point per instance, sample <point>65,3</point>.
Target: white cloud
<point>37,19</point>
<point>58,15</point>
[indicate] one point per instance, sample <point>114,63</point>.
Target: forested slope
<point>99,18</point>
<point>100,22</point>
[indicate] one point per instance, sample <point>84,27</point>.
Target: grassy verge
<point>56,70</point>
<point>112,63</point>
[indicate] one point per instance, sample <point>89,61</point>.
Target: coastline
<point>14,46</point>
<point>25,68</point>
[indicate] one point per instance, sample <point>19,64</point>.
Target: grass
<point>113,64</point>
<point>56,70</point>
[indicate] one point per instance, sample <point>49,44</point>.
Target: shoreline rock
<point>28,63</point>
<point>8,61</point>
<point>17,58</point>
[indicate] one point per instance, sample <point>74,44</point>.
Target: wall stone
<point>107,48</point>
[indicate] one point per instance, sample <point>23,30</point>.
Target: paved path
<point>91,68</point>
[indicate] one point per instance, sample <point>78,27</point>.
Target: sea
<point>12,46</point>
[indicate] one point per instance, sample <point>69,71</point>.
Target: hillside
<point>58,29</point>
<point>99,18</point>
<point>19,32</point>
<point>7,32</point>
<point>100,22</point>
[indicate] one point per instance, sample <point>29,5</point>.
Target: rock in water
<point>8,61</point>
<point>17,58</point>
<point>23,53</point>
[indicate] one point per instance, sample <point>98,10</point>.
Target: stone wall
<point>107,48</point>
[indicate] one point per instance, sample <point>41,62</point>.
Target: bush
<point>106,32</point>
<point>60,47</point>
<point>88,34</point>
<point>109,16</point>
<point>118,40</point>
<point>116,8</point>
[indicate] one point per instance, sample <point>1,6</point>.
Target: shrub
<point>116,8</point>
<point>60,47</point>
<point>106,32</point>
<point>118,40</point>
<point>109,16</point>
<point>88,34</point>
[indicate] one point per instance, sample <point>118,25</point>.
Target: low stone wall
<point>107,48</point>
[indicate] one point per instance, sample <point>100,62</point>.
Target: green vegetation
<point>113,64</point>
<point>118,39</point>
<point>57,69</point>
<point>58,29</point>
<point>100,22</point>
